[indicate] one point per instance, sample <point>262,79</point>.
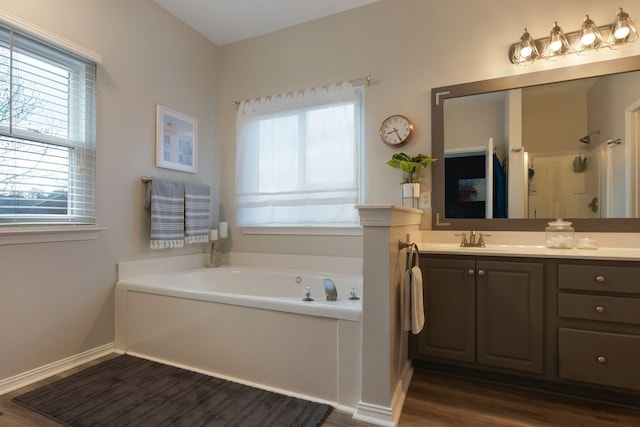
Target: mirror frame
<point>438,95</point>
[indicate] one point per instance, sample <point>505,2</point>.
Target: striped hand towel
<point>197,202</point>
<point>166,199</point>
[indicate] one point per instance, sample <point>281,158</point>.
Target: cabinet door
<point>449,301</point>
<point>510,315</point>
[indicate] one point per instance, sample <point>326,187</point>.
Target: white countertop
<point>621,247</point>
<point>621,254</point>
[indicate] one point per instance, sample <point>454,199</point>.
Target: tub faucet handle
<point>307,294</point>
<point>330,290</point>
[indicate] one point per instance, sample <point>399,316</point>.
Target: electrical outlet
<point>425,199</point>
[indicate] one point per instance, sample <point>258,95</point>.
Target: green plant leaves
<point>410,165</point>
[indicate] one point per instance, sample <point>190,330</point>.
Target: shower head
<point>587,139</point>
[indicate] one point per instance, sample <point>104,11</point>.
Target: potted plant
<point>411,168</point>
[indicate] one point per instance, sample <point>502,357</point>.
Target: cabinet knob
<point>600,279</point>
<point>599,309</point>
<point>480,272</point>
<point>471,272</point>
<point>601,359</point>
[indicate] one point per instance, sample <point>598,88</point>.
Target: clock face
<point>396,130</point>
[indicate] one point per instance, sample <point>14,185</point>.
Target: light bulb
<point>621,33</point>
<point>526,51</point>
<point>555,45</point>
<point>588,39</point>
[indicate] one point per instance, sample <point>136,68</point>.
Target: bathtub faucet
<point>330,290</point>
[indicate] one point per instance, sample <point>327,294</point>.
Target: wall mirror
<point>517,152</point>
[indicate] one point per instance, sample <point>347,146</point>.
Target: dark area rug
<point>129,391</point>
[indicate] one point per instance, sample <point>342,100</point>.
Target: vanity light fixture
<point>558,44</point>
<point>622,31</point>
<point>525,51</point>
<point>588,39</point>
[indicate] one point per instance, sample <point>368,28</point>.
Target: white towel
<point>166,200</point>
<point>417,303</point>
<point>197,201</point>
<point>405,290</point>
<point>412,306</point>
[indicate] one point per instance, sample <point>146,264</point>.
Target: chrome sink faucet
<point>472,242</point>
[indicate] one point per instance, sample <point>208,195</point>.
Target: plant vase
<point>410,194</point>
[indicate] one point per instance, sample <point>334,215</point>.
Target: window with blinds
<point>47,133</point>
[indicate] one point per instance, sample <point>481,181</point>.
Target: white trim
<point>24,26</point>
<point>22,235</point>
<point>382,415</point>
<point>374,414</point>
<point>400,394</point>
<point>34,375</point>
<point>388,215</point>
<point>304,231</point>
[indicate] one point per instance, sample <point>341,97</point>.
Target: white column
<point>386,368</point>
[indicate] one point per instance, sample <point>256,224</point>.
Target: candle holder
<point>217,236</point>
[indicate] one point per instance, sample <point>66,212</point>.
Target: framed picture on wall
<point>176,140</point>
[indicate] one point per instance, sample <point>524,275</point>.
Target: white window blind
<point>47,133</point>
<point>297,161</point>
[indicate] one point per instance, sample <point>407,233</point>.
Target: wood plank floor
<point>433,400</point>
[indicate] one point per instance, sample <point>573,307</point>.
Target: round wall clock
<point>396,130</point>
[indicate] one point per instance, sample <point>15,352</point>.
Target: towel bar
<point>402,244</point>
<point>146,179</point>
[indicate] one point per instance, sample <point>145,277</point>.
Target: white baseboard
<point>401,391</point>
<point>34,375</point>
<point>374,414</point>
<point>382,415</point>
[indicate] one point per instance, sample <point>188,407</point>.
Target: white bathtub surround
<point>248,325</point>
<point>328,264</point>
<point>386,368</point>
<point>130,269</point>
<point>338,265</point>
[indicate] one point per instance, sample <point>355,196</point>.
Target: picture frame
<point>176,140</point>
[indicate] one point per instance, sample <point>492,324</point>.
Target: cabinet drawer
<point>599,357</point>
<point>597,307</point>
<point>599,278</point>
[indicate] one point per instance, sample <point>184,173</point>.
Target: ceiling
<point>228,21</point>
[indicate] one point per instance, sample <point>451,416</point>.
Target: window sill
<point>304,231</point>
<point>25,235</point>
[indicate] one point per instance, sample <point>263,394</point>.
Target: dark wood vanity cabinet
<point>599,324</point>
<point>483,312</point>
<point>569,325</point>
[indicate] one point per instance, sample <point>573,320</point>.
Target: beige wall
<point>410,46</point>
<point>56,299</point>
<point>554,122</point>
